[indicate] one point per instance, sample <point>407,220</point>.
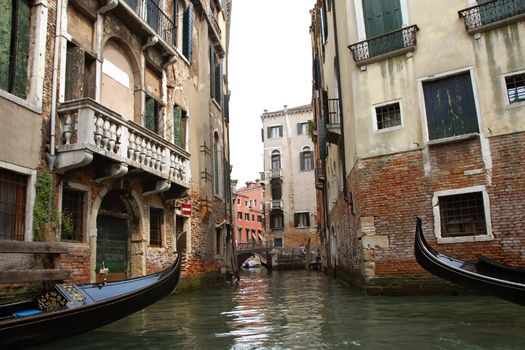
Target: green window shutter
<point>218,82</point>
<point>212,72</point>
<point>5,42</point>
<point>175,22</point>
<point>150,114</point>
<point>391,15</point>
<point>298,128</point>
<point>177,126</point>
<point>22,49</point>
<point>187,25</point>
<point>280,131</point>
<point>301,160</point>
<point>296,219</point>
<point>373,14</point>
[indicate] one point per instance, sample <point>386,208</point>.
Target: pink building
<point>248,213</point>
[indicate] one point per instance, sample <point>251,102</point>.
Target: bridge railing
<point>253,246</point>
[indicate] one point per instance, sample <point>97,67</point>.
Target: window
<point>276,221</point>
<point>238,201</point>
<point>14,46</point>
<point>151,114</point>
<point>153,14</point>
<point>302,128</point>
<point>246,203</point>
<point>278,242</point>
<point>179,126</point>
<point>255,202</point>
<point>239,234</point>
<point>388,116</point>
<point>463,214</point>
<point>259,218</point>
<point>239,215</point>
<point>217,164</point>
<point>306,159</point>
<point>12,205</point>
<point>187,32</point>
<point>450,107</point>
<point>302,219</point>
<point>515,87</point>
<point>155,227</point>
<point>381,17</point>
<point>274,131</point>
<point>277,192</point>
<point>215,77</point>
<point>72,215</point>
<point>276,160</point>
<point>252,217</point>
<point>247,216</point>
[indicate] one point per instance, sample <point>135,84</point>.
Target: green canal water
<point>308,310</point>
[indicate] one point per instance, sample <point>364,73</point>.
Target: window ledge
<point>405,50</point>
<point>452,139</point>
<point>496,24</point>
<point>21,102</point>
<point>465,239</point>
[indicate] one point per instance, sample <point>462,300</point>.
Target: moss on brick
<point>200,280</point>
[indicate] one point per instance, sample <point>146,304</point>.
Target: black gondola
<point>466,274</point>
<point>70,309</point>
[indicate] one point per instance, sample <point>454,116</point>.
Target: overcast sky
<point>269,67</point>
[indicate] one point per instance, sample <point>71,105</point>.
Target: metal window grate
<point>72,215</point>
<point>155,227</point>
<point>388,116</point>
<point>462,215</point>
<point>12,205</point>
<point>515,87</point>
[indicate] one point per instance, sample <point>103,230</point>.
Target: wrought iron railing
<point>154,17</point>
<point>253,245</point>
<point>277,204</point>
<point>491,12</point>
<point>275,173</point>
<point>387,44</point>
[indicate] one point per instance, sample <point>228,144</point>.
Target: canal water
<point>308,310</point>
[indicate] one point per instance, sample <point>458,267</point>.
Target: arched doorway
<point>113,237</point>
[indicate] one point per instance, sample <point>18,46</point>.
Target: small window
<point>179,126</point>
<point>253,217</point>
<point>72,215</point>
<point>306,159</point>
<point>275,131</point>
<point>247,216</point>
<point>259,218</point>
<point>13,189</point>
<point>278,242</point>
<point>239,234</point>
<point>238,201</point>
<point>515,87</point>
<point>276,221</point>
<point>302,219</point>
<point>462,215</point>
<point>276,160</point>
<point>302,128</point>
<point>239,215</point>
<point>388,116</point>
<point>155,227</point>
<point>187,32</point>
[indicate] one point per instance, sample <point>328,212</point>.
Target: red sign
<point>186,209</point>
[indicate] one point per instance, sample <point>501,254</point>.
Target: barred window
<point>13,189</point>
<point>462,215</point>
<point>72,215</point>
<point>155,227</point>
<point>388,116</point>
<point>515,87</point>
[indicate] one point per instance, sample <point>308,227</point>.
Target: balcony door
<point>383,16</point>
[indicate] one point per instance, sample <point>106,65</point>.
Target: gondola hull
<point>465,274</point>
<point>101,306</point>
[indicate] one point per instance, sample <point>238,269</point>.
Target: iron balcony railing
<point>276,173</point>
<point>277,204</point>
<point>493,12</point>
<point>385,45</point>
<point>154,17</point>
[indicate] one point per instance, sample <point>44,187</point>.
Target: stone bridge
<point>245,250</point>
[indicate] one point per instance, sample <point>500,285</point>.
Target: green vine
<point>43,213</point>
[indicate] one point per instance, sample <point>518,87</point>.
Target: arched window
<point>307,159</point>
<point>276,160</point>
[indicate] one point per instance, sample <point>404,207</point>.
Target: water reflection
<point>309,310</point>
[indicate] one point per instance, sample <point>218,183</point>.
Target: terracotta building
<point>126,103</point>
<point>290,201</point>
<point>419,111</point>
<point>248,214</point>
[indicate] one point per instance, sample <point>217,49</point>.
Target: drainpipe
<point>340,103</point>
<point>51,155</point>
<point>108,7</point>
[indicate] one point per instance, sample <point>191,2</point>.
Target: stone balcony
<point>89,129</point>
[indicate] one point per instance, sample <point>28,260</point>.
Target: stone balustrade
<point>89,126</point>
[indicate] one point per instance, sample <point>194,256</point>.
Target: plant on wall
<point>44,210</point>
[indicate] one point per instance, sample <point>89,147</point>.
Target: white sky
<point>269,67</point>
